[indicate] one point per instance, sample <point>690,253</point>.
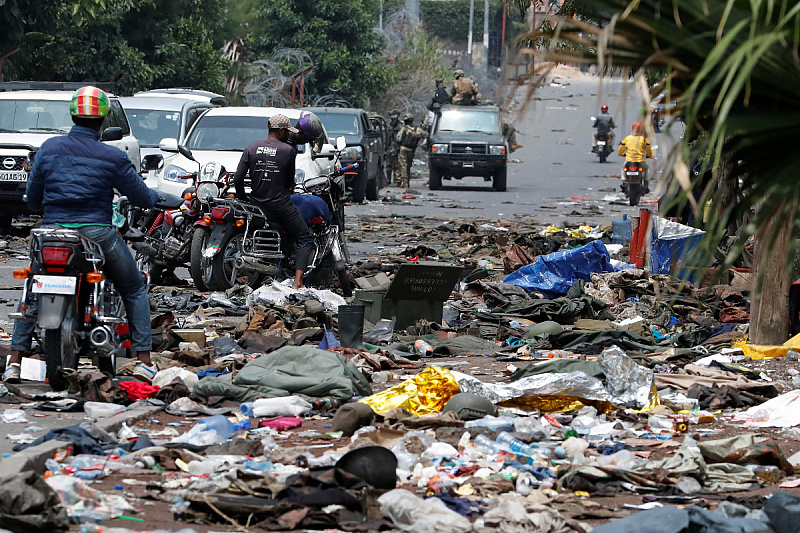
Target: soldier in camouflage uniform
<point>392,152</point>
<point>407,138</point>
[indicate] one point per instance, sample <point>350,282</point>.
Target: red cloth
<point>139,390</point>
<point>282,423</point>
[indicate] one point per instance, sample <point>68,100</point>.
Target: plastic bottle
<point>497,423</point>
<point>509,442</point>
<point>485,444</point>
<point>768,473</point>
<point>326,404</point>
<point>224,427</point>
<point>382,377</point>
<point>102,409</point>
<point>283,406</point>
<point>621,230</point>
<point>145,461</point>
<point>791,355</point>
<point>761,415</point>
<point>422,347</point>
<point>246,408</point>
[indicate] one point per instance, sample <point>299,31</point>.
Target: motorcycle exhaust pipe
<point>248,264</point>
<point>102,338</point>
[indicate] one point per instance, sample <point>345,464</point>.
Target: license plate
<point>633,173</point>
<point>54,284</point>
<point>601,143</point>
<point>469,165</point>
<point>13,176</point>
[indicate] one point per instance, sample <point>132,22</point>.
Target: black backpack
<point>441,96</point>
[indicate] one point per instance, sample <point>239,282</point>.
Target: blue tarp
<point>554,274</point>
<point>670,245</point>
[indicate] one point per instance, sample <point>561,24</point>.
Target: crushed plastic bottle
<point>485,444</point>
<point>792,355</point>
<point>423,348</point>
<point>761,415</point>
<point>384,376</point>
<point>767,473</point>
<point>212,430</point>
<point>497,423</point>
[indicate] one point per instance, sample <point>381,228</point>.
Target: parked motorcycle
<point>244,246</point>
<point>634,181</point>
<point>75,308</point>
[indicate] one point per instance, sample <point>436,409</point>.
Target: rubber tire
<point>434,179</point>
<point>199,240</point>
<point>499,180</point>
<point>372,189</point>
<point>51,346</point>
<point>344,282</point>
<point>359,187</point>
<point>603,156</point>
<point>634,193</point>
<point>219,279</point>
<point>104,364</point>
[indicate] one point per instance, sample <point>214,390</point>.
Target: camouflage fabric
<point>465,92</point>
<point>407,138</point>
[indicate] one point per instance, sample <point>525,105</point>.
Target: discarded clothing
<point>79,437</point>
<point>139,390</point>
<point>292,370</point>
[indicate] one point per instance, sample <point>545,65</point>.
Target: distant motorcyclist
<point>604,124</point>
<point>464,90</point>
<point>636,147</point>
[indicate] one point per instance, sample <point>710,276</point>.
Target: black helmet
<point>469,406</point>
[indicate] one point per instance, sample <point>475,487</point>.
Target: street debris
<point>486,376</point>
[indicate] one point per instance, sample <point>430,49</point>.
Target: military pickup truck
<point>467,141</point>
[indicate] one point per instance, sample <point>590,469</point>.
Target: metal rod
<point>469,37</point>
<point>486,35</point>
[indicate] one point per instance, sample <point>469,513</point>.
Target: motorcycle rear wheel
<point>147,267</point>
<point>60,349</point>
<point>224,273</point>
<point>603,156</point>
<point>634,193</point>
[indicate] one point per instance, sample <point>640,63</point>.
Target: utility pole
<point>486,35</point>
<point>469,38</point>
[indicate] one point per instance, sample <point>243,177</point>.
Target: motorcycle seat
<point>168,201</point>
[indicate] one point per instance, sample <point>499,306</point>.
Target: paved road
<point>555,165</point>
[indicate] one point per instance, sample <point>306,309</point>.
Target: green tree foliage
<point>139,43</point>
<point>338,36</point>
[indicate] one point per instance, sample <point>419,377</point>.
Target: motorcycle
<point>75,308</point>
<point>244,243</point>
<point>603,147</point>
<point>634,181</point>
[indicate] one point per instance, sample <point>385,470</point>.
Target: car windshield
<point>458,120</point>
<point>226,132</point>
<point>339,123</point>
<point>152,125</point>
<point>51,116</point>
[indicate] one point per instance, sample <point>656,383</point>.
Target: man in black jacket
<point>270,164</point>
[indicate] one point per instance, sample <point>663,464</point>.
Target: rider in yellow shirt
<point>636,147</point>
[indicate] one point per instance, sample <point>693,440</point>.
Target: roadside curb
<point>34,457</point>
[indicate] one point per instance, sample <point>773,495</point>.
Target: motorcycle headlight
<point>440,148</point>
<point>172,172</point>
<point>207,191</point>
<point>497,149</point>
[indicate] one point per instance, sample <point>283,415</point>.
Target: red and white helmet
<point>637,127</point>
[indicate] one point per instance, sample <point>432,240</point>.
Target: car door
<point>371,141</point>
<point>129,144</point>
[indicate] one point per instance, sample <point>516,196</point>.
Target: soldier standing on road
<point>464,90</point>
<point>393,151</point>
<point>408,138</point>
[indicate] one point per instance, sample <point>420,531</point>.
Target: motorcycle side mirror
<point>168,145</point>
<point>152,162</point>
<point>112,134</point>
<point>185,152</point>
<point>341,142</point>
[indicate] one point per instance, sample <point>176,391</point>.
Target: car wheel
<point>434,179</point>
<point>359,187</point>
<point>499,181</point>
<point>372,189</point>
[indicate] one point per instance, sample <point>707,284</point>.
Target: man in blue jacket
<point>73,180</point>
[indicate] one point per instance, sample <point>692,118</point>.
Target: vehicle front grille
<point>468,148</point>
<point>5,162</point>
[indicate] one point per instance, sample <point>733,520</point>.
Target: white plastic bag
<point>283,406</point>
<point>102,409</point>
<point>411,513</point>
<point>165,377</point>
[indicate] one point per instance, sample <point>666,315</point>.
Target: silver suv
<point>27,119</point>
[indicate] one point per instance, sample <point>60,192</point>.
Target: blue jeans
<point>120,268</point>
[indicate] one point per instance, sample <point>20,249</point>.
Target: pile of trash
<point>551,374</point>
